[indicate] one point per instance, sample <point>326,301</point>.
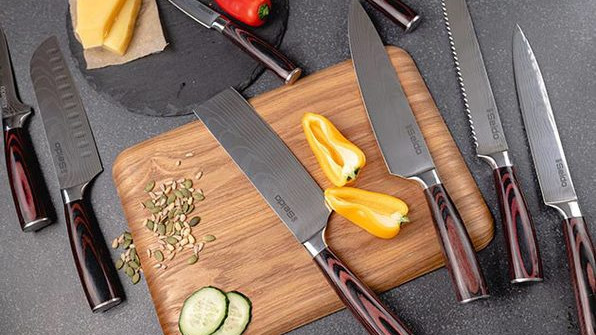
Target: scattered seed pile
<point>129,261</point>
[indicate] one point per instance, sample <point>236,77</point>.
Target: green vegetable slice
<point>203,312</point>
<point>239,314</point>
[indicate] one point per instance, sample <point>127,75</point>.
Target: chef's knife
<point>554,178</point>
<point>399,12</point>
<point>294,196</point>
<point>29,192</point>
<point>405,152</point>
<point>76,163</point>
<point>522,247</point>
<point>256,47</point>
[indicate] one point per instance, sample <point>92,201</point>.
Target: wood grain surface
<point>254,252</point>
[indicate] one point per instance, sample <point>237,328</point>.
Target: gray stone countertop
<point>39,289</point>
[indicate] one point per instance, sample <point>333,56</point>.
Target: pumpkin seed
<point>119,264</point>
<point>190,209</point>
<point>199,196</point>
<point>129,271</point>
<point>133,253</point>
<point>135,278</point>
<point>149,204</point>
<point>171,240</point>
<point>209,238</point>
<point>171,199</point>
<point>187,183</point>
<point>158,255</point>
<point>115,243</point>
<point>195,221</point>
<point>149,186</point>
<point>161,229</point>
<point>134,265</point>
<point>192,259</point>
<point>150,224</point>
<point>178,194</point>
<point>126,244</point>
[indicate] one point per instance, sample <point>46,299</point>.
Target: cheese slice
<point>94,20</point>
<point>122,30</point>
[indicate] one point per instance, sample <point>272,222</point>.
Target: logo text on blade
<point>415,141</point>
<point>60,161</point>
<point>492,122</point>
<point>563,179</point>
<point>284,206</point>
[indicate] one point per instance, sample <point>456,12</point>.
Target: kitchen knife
<point>405,153</point>
<point>28,189</point>
<point>76,163</point>
<point>256,47</point>
<point>399,12</point>
<point>522,247</point>
<point>554,178</point>
<point>294,196</point>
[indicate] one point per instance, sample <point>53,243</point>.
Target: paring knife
<point>554,178</point>
<point>76,163</point>
<point>405,152</point>
<point>399,12</point>
<point>522,247</point>
<point>256,47</point>
<point>24,176</point>
<point>294,196</point>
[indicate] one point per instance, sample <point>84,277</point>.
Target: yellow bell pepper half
<point>379,214</point>
<point>340,159</point>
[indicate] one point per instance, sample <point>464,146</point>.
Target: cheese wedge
<point>94,20</point>
<point>122,30</point>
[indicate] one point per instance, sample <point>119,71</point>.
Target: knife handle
<point>260,50</point>
<point>460,256</point>
<point>96,271</point>
<point>399,12</point>
<point>364,304</point>
<point>522,247</point>
<point>580,252</point>
<point>29,192</point>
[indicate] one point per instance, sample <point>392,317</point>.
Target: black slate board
<point>197,64</point>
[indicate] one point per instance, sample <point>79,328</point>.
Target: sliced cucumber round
<point>239,314</point>
<point>203,312</point>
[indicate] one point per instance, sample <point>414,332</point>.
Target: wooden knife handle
<point>460,256</point>
<point>522,247</point>
<point>92,259</point>
<point>364,304</point>
<point>399,12</point>
<point>29,192</point>
<point>260,50</point>
<point>582,265</point>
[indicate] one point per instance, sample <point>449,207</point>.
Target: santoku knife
<point>522,247</point>
<point>256,47</point>
<point>405,152</point>
<point>24,176</point>
<point>294,196</point>
<point>76,163</point>
<point>554,178</point>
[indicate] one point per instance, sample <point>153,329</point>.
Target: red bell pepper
<point>251,12</point>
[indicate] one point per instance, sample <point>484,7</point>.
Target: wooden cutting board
<point>254,252</point>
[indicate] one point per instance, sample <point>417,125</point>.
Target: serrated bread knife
<point>554,178</point>
<point>525,264</point>
<point>294,196</point>
<point>405,152</point>
<point>26,182</point>
<point>76,162</point>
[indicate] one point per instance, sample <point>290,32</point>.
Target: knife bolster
<point>316,244</point>
<point>16,120</point>
<point>569,209</point>
<point>497,160</point>
<point>427,178</point>
<point>73,193</point>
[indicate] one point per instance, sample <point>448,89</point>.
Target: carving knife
<point>254,46</point>
<point>76,163</point>
<point>405,152</point>
<point>294,196</point>
<point>525,264</point>
<point>554,178</point>
<point>24,176</point>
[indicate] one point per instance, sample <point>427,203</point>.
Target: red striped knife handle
<point>522,247</point>
<point>364,304</point>
<point>460,256</point>
<point>26,182</point>
<point>399,12</point>
<point>92,258</point>
<point>582,265</point>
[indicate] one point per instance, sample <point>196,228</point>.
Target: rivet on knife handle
<point>363,303</point>
<point>92,259</point>
<point>399,12</point>
<point>520,235</point>
<point>26,182</point>
<point>582,264</point>
<point>460,256</point>
<point>259,49</point>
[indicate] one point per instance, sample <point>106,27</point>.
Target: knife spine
<point>460,77</point>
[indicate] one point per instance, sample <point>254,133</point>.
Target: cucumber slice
<point>203,312</point>
<point>239,314</point>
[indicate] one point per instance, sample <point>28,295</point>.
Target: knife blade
<point>525,264</point>
<point>405,152</point>
<point>77,163</point>
<point>27,186</point>
<point>554,177</point>
<point>294,196</point>
<point>262,51</point>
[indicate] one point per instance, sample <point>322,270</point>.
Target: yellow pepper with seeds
<point>340,159</point>
<point>379,214</point>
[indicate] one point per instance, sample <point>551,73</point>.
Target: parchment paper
<point>148,38</point>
